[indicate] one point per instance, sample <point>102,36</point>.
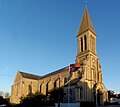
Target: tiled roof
<point>86,24</point>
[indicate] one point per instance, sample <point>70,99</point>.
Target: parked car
<point>3,105</point>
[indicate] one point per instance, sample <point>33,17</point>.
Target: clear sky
<point>39,36</point>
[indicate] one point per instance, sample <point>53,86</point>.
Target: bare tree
<point>1,93</point>
<point>6,95</point>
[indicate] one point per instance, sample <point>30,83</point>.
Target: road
<point>111,106</point>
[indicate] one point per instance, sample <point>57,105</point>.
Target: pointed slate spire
<point>86,24</point>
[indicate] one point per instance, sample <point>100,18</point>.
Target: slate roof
<point>55,72</point>
<point>86,24</point>
<point>36,77</point>
<point>29,76</point>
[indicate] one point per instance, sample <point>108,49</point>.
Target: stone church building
<point>86,83</point>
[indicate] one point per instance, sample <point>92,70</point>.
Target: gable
<point>18,77</point>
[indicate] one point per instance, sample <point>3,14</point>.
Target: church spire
<point>86,24</point>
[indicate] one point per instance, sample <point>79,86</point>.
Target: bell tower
<point>91,80</point>
<point>86,38</point>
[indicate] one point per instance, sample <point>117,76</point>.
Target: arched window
<point>46,88</point>
<point>65,80</point>
<point>91,43</point>
<point>93,74</point>
<point>40,88</point>
<point>85,39</point>
<point>29,89</point>
<point>98,76</point>
<point>81,44</point>
<point>55,84</point>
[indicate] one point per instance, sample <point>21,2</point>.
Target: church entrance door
<point>99,98</point>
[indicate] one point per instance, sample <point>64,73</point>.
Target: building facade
<point>86,83</point>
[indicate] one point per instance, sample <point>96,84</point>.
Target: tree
<point>2,100</point>
<point>56,95</point>
<point>1,93</point>
<point>33,100</point>
<point>6,95</point>
<point>38,99</point>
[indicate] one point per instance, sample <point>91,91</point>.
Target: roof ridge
<point>28,75</point>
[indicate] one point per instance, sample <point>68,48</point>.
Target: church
<point>86,83</point>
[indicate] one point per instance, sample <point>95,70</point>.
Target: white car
<point>3,105</point>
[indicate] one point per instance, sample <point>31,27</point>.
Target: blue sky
<point>39,36</point>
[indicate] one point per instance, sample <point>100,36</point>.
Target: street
<point>111,106</point>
